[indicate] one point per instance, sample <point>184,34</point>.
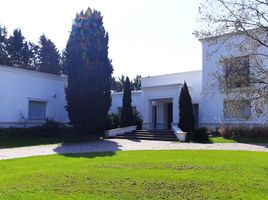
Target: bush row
<point>48,129</point>
<point>236,132</point>
<point>113,120</point>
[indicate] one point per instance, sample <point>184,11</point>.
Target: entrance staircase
<point>149,135</point>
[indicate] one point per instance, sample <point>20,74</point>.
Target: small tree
<point>127,112</point>
<point>137,82</point>
<point>49,56</point>
<point>187,122</point>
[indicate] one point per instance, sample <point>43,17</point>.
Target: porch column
<point>147,112</point>
<point>175,103</point>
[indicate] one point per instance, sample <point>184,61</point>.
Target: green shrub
<point>48,129</point>
<point>137,119</point>
<point>112,121</point>
<point>200,135</point>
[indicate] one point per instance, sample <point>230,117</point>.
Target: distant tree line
<point>16,51</point>
<point>118,83</point>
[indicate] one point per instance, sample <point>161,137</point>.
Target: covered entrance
<point>160,115</point>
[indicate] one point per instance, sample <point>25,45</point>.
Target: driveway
<point>122,145</point>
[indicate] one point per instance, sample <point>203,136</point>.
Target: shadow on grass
<point>97,148</point>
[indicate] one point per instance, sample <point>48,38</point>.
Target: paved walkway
<point>122,145</point>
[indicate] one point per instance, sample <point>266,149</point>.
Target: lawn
<point>137,175</point>
<point>240,139</point>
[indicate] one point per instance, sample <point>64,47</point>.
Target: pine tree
<point>187,122</point>
<point>126,118</point>
<point>89,72</point>
<point>4,60</point>
<point>49,57</point>
<point>16,48</point>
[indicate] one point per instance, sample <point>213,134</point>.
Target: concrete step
<point>147,138</point>
<point>149,135</point>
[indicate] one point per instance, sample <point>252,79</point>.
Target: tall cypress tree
<point>187,122</point>
<point>126,112</point>
<point>49,56</point>
<point>89,73</point>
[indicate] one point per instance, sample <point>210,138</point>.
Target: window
<point>237,73</point>
<point>37,110</point>
<point>237,109</point>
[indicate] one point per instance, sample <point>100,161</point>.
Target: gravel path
<point>122,145</point>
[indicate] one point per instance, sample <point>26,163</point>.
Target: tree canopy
<point>4,60</point>
<point>49,57</point>
<point>118,83</point>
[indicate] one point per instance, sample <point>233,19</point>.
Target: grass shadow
<point>97,148</point>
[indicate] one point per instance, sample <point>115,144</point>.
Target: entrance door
<point>169,115</point>
<point>154,117</point>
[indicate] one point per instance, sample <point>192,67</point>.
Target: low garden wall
<point>117,131</point>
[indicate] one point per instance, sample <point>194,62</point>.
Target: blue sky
<point>147,37</point>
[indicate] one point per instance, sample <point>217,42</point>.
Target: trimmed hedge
<point>48,129</point>
<point>200,135</point>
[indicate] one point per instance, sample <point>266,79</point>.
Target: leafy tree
<point>248,21</point>
<point>118,83</point>
<point>115,85</point>
<point>126,112</point>
<point>89,72</point>
<point>4,60</point>
<point>137,82</point>
<point>18,50</point>
<point>187,122</point>
<point>49,57</point>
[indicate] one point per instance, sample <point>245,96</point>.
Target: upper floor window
<point>37,110</point>
<point>237,72</point>
<point>239,109</point>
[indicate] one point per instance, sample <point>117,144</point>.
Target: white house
<point>29,97</point>
<point>158,100</point>
<point>227,56</point>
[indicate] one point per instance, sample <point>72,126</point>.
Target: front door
<point>154,117</point>
<point>169,115</point>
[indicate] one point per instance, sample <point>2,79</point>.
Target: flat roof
<point>32,72</point>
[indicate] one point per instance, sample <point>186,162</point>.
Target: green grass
<point>221,140</point>
<point>240,139</point>
<point>137,175</point>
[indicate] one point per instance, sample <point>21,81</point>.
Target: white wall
<point>117,100</point>
<point>167,87</point>
<point>18,86</point>
<point>213,50</point>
